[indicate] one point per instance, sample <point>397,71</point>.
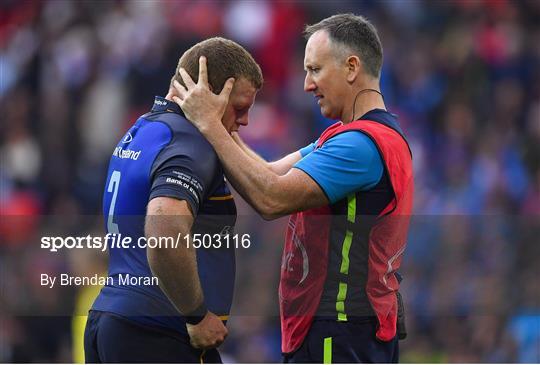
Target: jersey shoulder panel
<point>187,142</point>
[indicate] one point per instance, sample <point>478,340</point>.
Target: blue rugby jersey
<point>164,155</point>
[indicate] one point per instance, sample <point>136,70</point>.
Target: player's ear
<point>354,68</point>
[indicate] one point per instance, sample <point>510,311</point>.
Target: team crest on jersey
<point>128,138</point>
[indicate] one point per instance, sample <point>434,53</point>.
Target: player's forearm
<point>251,178</point>
<point>175,268</point>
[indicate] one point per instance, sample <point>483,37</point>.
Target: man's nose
<point>309,85</point>
<point>244,120</point>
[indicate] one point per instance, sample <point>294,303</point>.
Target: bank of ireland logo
<point>128,138</point>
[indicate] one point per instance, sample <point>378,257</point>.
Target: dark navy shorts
<point>330,341</point>
<point>109,338</point>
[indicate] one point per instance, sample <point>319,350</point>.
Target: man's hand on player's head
<point>209,333</point>
<point>200,105</point>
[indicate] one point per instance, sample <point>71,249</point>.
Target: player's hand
<point>208,333</point>
<point>200,105</point>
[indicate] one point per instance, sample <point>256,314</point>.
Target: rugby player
<point>165,180</point>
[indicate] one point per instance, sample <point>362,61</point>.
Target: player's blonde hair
<point>224,59</point>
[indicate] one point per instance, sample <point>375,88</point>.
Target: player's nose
<point>243,121</point>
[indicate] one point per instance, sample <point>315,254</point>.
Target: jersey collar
<point>384,117</point>
<point>163,105</point>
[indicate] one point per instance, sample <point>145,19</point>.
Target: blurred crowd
<point>463,76</point>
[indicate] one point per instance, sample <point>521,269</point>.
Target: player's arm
<point>176,268</point>
<point>280,167</point>
<point>178,187</point>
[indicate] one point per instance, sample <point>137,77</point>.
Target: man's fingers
<point>178,101</point>
<point>180,89</point>
<point>203,73</point>
<point>227,88</point>
<point>187,79</point>
<point>205,345</point>
<point>197,345</point>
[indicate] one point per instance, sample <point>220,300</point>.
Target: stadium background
<point>463,76</point>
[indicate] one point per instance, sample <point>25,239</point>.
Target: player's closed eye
<point>241,112</point>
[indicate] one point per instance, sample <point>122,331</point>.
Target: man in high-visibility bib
<point>350,192</point>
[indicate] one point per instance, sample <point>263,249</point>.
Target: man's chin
<point>327,113</point>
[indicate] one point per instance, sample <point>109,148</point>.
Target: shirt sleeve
<point>346,163</point>
<point>184,172</point>
<point>308,149</point>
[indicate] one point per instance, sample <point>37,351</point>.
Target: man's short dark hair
<point>356,33</point>
<point>224,59</point>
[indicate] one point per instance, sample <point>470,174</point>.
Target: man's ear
<point>354,68</point>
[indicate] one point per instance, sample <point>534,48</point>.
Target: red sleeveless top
<point>307,242</point>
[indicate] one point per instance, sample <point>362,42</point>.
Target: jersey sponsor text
<point>125,153</point>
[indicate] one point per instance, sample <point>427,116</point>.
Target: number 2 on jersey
<point>114,183</point>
